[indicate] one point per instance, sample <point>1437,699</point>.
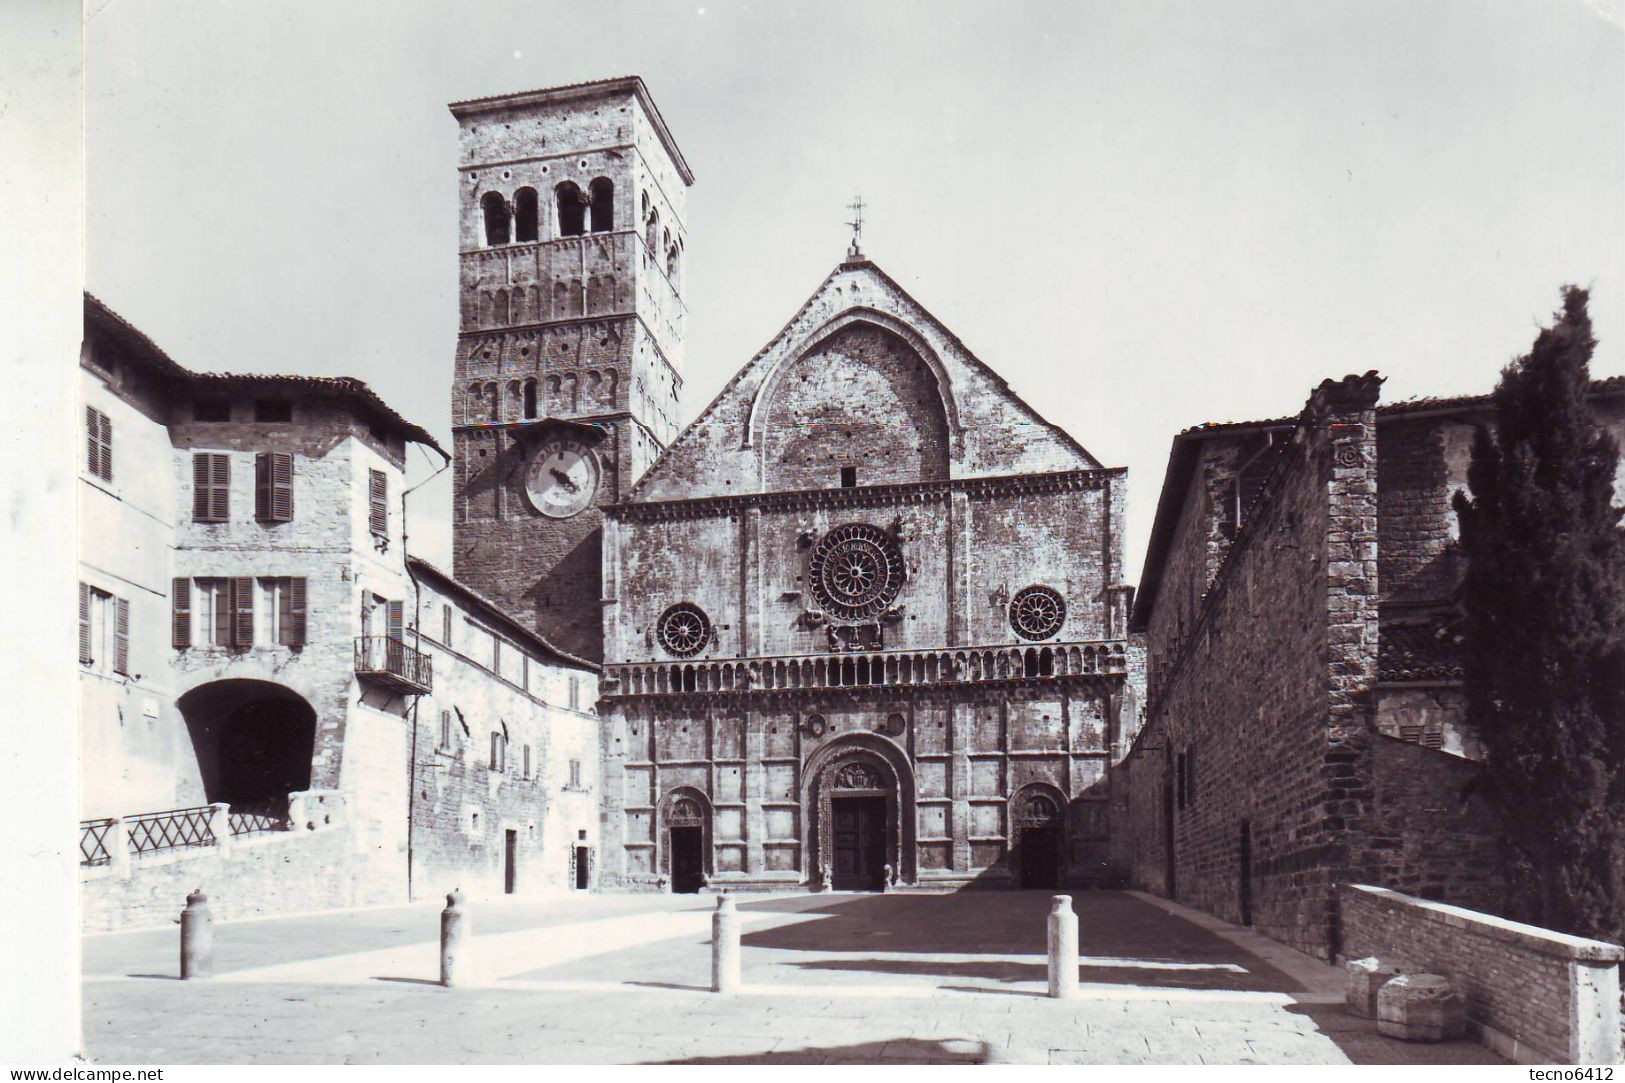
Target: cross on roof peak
<point>856,207</point>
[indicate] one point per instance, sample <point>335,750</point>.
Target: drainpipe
<point>417,616</point>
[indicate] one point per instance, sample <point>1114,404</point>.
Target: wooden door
<point>859,841</point>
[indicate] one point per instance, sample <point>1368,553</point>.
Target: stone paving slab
<point>962,978</point>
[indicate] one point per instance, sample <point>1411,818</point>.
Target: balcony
<point>948,665</point>
<point>390,663</point>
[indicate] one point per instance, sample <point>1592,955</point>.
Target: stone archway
<point>1038,836</point>
<point>859,797</point>
<point>254,740</point>
<point>685,840</point>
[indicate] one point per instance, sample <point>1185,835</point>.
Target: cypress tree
<point>1544,607</point>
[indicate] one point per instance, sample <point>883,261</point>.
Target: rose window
<point>1037,612</point>
<point>857,571</point>
<point>684,629</point>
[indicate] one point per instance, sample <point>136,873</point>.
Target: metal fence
<point>175,829</point>
<point>93,840</point>
<point>252,818</point>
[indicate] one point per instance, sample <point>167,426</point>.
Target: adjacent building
<point>1305,720</point>
<point>253,678</point>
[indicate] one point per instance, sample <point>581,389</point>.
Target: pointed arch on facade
<point>757,418</point>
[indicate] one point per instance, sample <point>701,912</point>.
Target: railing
<point>172,830</point>
<point>93,838</point>
<point>950,665</point>
<point>252,818</point>
<point>391,662</point>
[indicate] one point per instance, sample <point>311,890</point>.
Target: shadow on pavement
<point>902,1051</point>
<point>1360,1042</point>
<point>1111,924</point>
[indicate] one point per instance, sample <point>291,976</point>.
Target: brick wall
<point>1536,996</point>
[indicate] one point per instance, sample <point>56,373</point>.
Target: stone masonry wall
<point>1536,996</point>
<point>1260,716</point>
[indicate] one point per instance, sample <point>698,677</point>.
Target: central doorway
<point>1038,848</point>
<point>687,859</point>
<point>859,842</point>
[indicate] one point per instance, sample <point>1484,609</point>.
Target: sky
<point>1144,215</point>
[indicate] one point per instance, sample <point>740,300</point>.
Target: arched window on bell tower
<point>602,190</point>
<point>572,210</point>
<point>496,217</point>
<point>526,215</point>
<point>651,235</point>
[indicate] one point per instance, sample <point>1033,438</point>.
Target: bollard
<point>886,879</point>
<point>725,947</point>
<point>456,969</point>
<point>1063,948</point>
<point>197,938</point>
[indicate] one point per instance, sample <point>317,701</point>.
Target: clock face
<point>563,478</point>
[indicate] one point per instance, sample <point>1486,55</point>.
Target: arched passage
<point>253,740</point>
<point>858,794</point>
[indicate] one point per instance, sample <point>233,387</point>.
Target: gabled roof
<point>493,612</point>
<point>102,320</point>
<point>729,390</point>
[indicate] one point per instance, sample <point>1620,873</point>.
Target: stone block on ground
<point>1365,978</point>
<point>1421,1008</point>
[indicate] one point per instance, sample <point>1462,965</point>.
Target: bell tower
<point>570,346</point>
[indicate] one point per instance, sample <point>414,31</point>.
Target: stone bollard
<point>1421,1008</point>
<point>1365,978</point>
<point>1063,948</point>
<point>886,881</point>
<point>197,938</point>
<point>456,965</point>
<point>725,947</point>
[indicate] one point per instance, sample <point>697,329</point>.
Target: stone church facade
<point>862,623</point>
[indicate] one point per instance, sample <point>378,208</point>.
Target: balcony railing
<point>391,663</point>
<point>948,665</point>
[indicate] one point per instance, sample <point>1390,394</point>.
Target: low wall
<point>1533,995</point>
<point>314,866</point>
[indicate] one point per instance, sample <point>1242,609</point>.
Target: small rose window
<point>1037,612</point>
<point>684,629</point>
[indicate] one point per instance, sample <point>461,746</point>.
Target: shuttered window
<point>98,444</point>
<point>273,487</point>
<point>85,657</point>
<point>211,487</point>
<point>294,629</point>
<point>180,634</point>
<point>242,607</point>
<point>284,610</point>
<point>121,636</point>
<point>378,502</point>
<point>396,615</point>
<point>224,609</point>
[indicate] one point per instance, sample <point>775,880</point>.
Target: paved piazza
<point>837,978</point>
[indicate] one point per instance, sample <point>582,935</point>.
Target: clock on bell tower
<point>569,351</point>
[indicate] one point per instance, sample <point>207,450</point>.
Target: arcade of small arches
<point>869,669</point>
<point>565,299</point>
<point>575,213</point>
<point>533,397</point>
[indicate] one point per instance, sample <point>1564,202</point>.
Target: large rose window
<point>857,571</point>
<point>1037,612</point>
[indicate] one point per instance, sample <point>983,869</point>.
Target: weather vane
<point>856,207</point>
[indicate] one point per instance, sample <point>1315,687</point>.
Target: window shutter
<point>181,613</point>
<point>242,606</point>
<point>92,444</point>
<point>200,487</point>
<point>211,487</point>
<point>106,435</point>
<point>295,636</point>
<point>262,485</point>
<point>396,618</point>
<point>378,501</point>
<point>220,488</point>
<point>121,636</point>
<point>281,487</point>
<point>84,624</point>
<point>273,486</point>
